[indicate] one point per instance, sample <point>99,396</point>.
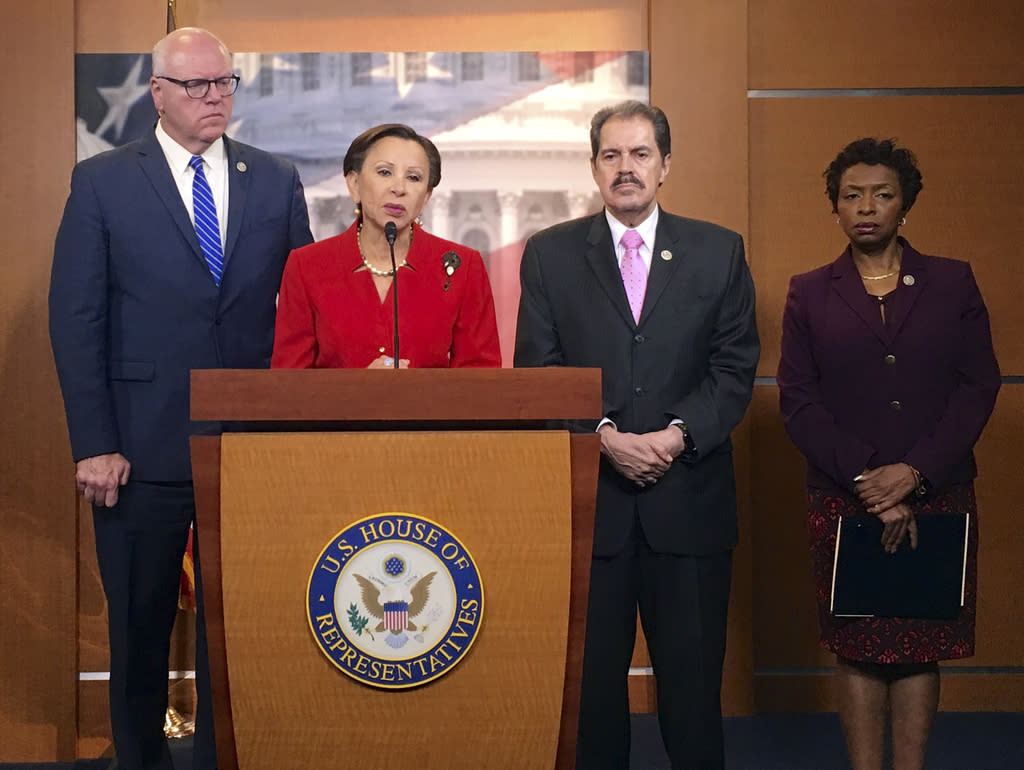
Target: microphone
<point>391,233</point>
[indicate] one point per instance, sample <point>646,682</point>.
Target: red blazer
<point>856,393</point>
<point>329,314</point>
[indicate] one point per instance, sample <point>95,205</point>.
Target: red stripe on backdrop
<point>503,267</point>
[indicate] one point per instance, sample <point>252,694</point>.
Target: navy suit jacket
<point>692,356</point>
<point>856,393</point>
<point>133,306</point>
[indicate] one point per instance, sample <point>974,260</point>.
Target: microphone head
<point>391,232</point>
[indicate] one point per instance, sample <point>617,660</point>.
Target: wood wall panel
<point>1000,490</point>
<point>971,153</point>
<point>699,78</point>
<point>402,25</point>
<point>885,44</point>
<point>785,625</point>
<point>37,550</point>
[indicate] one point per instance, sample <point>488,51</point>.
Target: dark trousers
<point>140,543</point>
<point>683,603</point>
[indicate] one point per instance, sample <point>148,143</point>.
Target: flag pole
<point>177,725</point>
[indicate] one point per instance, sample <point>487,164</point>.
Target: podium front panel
<point>505,495</point>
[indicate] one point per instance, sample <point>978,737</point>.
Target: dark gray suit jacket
<point>133,306</point>
<point>692,356</point>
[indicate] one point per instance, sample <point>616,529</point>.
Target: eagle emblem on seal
<point>394,608</point>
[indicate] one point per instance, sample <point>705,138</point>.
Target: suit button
<point>639,338</point>
<point>638,391</point>
<point>896,405</point>
<point>890,359</point>
<point>218,321</point>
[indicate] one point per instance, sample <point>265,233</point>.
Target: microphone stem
<point>394,293</point>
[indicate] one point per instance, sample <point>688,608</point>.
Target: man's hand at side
<point>100,477</point>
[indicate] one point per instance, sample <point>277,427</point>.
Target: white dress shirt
<point>215,168</point>
<point>647,230</point>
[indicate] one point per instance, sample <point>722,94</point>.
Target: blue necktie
<point>206,220</point>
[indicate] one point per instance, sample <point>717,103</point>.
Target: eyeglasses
<point>197,88</point>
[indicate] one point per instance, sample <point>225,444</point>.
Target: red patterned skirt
<point>890,640</point>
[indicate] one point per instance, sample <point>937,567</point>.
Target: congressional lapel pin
<point>451,262</point>
<point>908,280</point>
<point>241,166</point>
<point>666,255</point>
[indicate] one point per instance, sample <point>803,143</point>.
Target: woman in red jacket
<point>336,306</point>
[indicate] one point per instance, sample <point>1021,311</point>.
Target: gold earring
<point>358,211</point>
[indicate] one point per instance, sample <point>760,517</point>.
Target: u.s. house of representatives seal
<point>395,600</point>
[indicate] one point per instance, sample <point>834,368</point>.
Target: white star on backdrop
<point>120,100</point>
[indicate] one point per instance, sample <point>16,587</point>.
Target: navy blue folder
<point>926,582</point>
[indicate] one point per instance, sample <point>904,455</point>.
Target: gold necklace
<point>367,265</point>
<point>878,277</point>
<point>899,256</point>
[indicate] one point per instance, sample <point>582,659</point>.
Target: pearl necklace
<point>376,271</point>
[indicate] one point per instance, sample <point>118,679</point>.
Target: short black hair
<point>360,148</point>
<point>631,109</point>
<point>876,152</point>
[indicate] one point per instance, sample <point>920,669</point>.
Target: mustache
<point>628,178</point>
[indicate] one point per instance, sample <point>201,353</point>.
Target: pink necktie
<point>634,273</point>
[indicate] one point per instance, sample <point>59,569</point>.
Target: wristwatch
<point>689,450</point>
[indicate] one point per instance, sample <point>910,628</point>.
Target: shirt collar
<point>178,157</point>
<point>647,228</point>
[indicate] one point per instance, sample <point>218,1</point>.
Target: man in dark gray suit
<point>168,258</point>
<point>665,307</point>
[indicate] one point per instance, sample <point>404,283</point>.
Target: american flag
<point>512,128</point>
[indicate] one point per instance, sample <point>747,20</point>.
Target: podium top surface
<point>404,395</point>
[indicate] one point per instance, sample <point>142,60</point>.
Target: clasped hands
<point>883,490</point>
<point>387,362</point>
<point>642,458</point>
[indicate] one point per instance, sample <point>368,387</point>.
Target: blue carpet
<point>960,741</point>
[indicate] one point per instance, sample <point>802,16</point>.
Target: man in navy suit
<point>136,301</point>
<point>665,307</point>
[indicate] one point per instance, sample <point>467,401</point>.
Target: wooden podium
<point>307,453</point>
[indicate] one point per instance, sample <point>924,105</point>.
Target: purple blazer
<point>856,393</point>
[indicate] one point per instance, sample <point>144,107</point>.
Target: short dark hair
<point>876,152</point>
<point>631,109</point>
<point>360,148</point>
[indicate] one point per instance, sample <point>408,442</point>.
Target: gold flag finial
<point>172,19</point>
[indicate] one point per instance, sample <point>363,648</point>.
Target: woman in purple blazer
<point>886,379</point>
